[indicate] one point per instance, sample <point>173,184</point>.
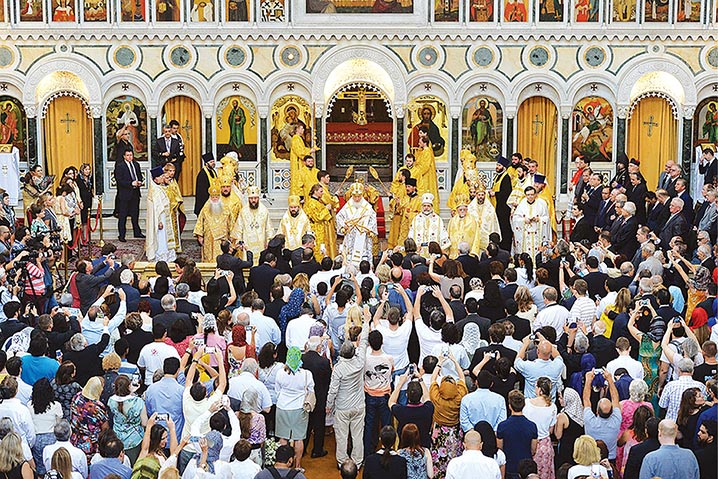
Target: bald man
<point>548,364</point>
<point>605,423</point>
<point>472,464</point>
<point>669,460</point>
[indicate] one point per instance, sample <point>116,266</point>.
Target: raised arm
<point>222,386</point>
<point>330,293</point>
<point>670,354</point>
<point>407,304</point>
<point>417,302</point>
<point>436,292</point>
<point>587,389</point>
<point>615,400</point>
<point>635,332</point>
<point>434,276</point>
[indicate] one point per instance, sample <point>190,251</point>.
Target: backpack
<point>679,350</point>
<point>276,475</point>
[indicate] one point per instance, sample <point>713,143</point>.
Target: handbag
<point>310,399</point>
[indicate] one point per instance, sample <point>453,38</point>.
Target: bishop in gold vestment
<point>462,226</point>
<point>426,163</point>
<point>485,215</point>
<point>398,196</point>
<point>230,198</point>
<point>321,218</point>
<point>253,225</point>
<point>174,194</point>
<point>356,221</point>
<point>297,151</point>
<point>294,224</point>
<point>213,226</point>
<point>333,201</point>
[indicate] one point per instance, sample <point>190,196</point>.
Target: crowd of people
<point>592,355</point>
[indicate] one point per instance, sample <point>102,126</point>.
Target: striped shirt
<point>36,285</point>
<point>583,311</point>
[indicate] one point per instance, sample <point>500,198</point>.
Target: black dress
<point>374,470</point>
<point>86,192</point>
<point>565,445</point>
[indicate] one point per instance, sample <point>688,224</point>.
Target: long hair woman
<point>12,461</point>
<point>65,386</point>
<point>88,416</point>
<point>61,462</point>
<point>635,434</point>
<point>129,416</point>
<point>386,462</point>
<point>693,403</point>
<point>542,411</point>
<point>489,448</point>
<point>45,412</point>
<point>418,459</point>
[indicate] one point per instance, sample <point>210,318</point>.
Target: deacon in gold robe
<point>307,176</point>
<point>462,226</point>
<point>160,241</point>
<point>398,197</point>
<point>461,187</point>
<point>544,192</point>
<point>230,198</point>
<point>176,204</point>
<point>356,221</point>
<point>522,181</point>
<point>426,163</point>
<point>397,188</point>
<point>213,226</point>
<point>531,224</point>
<point>484,214</point>
<point>320,217</point>
<point>428,226</point>
<point>516,160</point>
<point>294,224</point>
<point>410,207</point>
<point>331,200</point>
<point>253,226</point>
<point>297,151</point>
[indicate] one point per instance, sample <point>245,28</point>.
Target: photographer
<point>86,285</point>
<point>8,292</point>
<point>30,261</point>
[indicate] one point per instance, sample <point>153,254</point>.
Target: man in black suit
<point>522,327</point>
<point>682,193</point>
<point>591,198</point>
<point>498,254</point>
<point>472,307</point>
<point>262,276</point>
<point>640,451</point>
<point>309,264</point>
<point>321,370</point>
<point>228,262</point>
<point>127,282</point>
<point>625,242</point>
<point>582,228</point>
<point>665,176</point>
<point>673,175</point>
<point>183,305</point>
<point>308,241</point>
<point>638,197</point>
<point>169,150</point>
<point>602,348</point>
<point>500,191</point>
<point>606,212</point>
<point>497,333</point>
<point>708,166</point>
<point>642,237</point>
<point>595,279</point>
<point>675,226</point>
<point>659,214</point>
<point>128,178</point>
<point>469,263</point>
<point>418,266</point>
<point>510,286</point>
<point>170,315</point>
<point>204,177</point>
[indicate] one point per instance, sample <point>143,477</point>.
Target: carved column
<point>454,152</point>
<point>318,135</point>
<point>509,135</point>
<point>687,148</point>
<point>208,137</point>
<point>263,150</point>
<point>99,154</point>
<point>32,159</point>
<point>153,137</point>
<point>400,146</point>
<point>565,152</point>
<point>621,113</point>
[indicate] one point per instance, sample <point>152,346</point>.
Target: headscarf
<point>214,446</point>
<point>239,336</point>
<point>573,406</point>
<point>471,338</point>
<point>702,278</point>
<point>294,359</point>
<point>588,362</point>
<point>291,310</point>
<point>93,389</point>
<point>209,322</point>
<point>317,329</point>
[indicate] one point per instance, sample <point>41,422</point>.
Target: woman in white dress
<point>542,411</point>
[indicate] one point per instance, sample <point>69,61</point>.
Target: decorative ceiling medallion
<point>483,56</point>
<point>712,57</point>
<point>428,56</point>
<point>7,57</point>
<point>290,56</point>
<point>539,56</point>
<point>595,56</point>
<point>125,57</point>
<point>180,56</point>
<point>235,56</point>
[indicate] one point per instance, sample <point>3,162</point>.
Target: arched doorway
<point>67,133</point>
<point>537,132</point>
<point>189,115</point>
<point>652,134</point>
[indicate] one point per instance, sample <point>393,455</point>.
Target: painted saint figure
<point>237,120</point>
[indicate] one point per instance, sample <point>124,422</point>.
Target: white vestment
<point>488,222</point>
<point>528,234</point>
<point>254,227</point>
<point>160,243</point>
<point>427,228</point>
<point>357,222</point>
<point>293,228</point>
<point>10,173</point>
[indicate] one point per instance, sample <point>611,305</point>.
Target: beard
<point>215,207</point>
<point>253,206</point>
<point>226,195</point>
<point>294,214</point>
<point>356,203</point>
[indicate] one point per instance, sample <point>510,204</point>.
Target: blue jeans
<point>401,400</point>
<point>377,407</point>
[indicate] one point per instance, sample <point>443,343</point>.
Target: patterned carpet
<point>190,247</point>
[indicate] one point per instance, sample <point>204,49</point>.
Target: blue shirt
<point>128,369</point>
<point>165,396</point>
<point>396,299</point>
<point>482,405</point>
<point>92,330</point>
<point>670,461</point>
<point>111,465</point>
<point>604,429</point>
<point>36,367</point>
<point>517,433</point>
<point>532,370</point>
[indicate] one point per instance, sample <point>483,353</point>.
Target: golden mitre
<point>214,189</point>
<point>357,188</point>
<point>293,200</point>
<point>225,178</point>
<point>462,200</point>
<point>253,191</point>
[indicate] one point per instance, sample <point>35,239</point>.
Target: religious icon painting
<point>13,127</point>
<point>63,11</point>
<point>94,10</point>
<point>624,11</point>
<point>167,11</point>
<point>237,128</point>
<point>706,121</point>
<point>688,10</point>
<point>482,128</point>
<point>236,10</point>
<point>133,10</point>
<point>2,11</point>
<point>288,111</point>
<point>515,11</point>
<point>273,10</point>
<point>426,116</point>
<point>592,129</point>
<point>586,11</point>
<point>550,10</point>
<point>126,122</point>
<point>202,11</point>
<point>481,10</point>
<point>30,10</point>
<point>446,10</point>
<point>359,6</point>
<point>655,11</point>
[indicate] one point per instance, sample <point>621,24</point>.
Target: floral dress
<point>649,357</point>
<point>64,395</point>
<point>415,464</point>
<point>86,419</point>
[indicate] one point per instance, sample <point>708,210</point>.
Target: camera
<point>346,276</point>
<point>677,319</point>
<point>573,326</point>
<point>598,372</point>
<point>136,380</point>
<point>412,369</point>
<point>532,337</point>
<point>209,350</point>
<point>162,416</point>
<point>390,286</point>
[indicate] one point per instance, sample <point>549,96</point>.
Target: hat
<point>462,200</point>
<point>410,182</point>
<point>427,198</point>
<point>253,191</point>
<point>293,200</point>
<point>225,179</point>
<point>635,162</point>
<point>157,171</point>
<point>479,185</point>
<point>503,161</point>
<point>233,155</point>
<point>539,178</point>
<point>356,189</point>
<point>207,157</point>
<point>214,189</point>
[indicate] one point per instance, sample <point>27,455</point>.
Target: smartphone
<point>677,319</point>
<point>249,328</point>
<point>597,297</point>
<point>390,252</point>
<point>644,302</point>
<point>445,352</point>
<point>224,273</point>
<point>162,417</point>
<point>209,350</point>
<point>389,285</point>
<point>573,326</point>
<point>598,371</point>
<point>225,401</point>
<point>532,337</point>
<point>346,276</point>
<point>595,471</point>
<point>495,354</point>
<point>58,355</point>
<point>136,380</point>
<point>194,439</point>
<point>199,342</point>
<point>412,369</point>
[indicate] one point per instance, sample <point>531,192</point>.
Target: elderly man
<point>665,174</point>
<point>485,215</point>
<point>253,226</point>
<point>624,241</point>
<point>346,398</point>
<point>552,314</point>
<point>673,391</point>
<point>606,422</point>
<point>673,174</point>
<point>213,225</point>
<point>322,222</point>
<point>462,226</point>
<point>357,223</point>
<point>230,199</point>
<point>62,432</point>
<point>294,224</point>
<point>548,364</point>
<point>472,464</point>
<point>675,226</point>
<point>531,224</point>
<point>428,226</point>
<point>669,460</point>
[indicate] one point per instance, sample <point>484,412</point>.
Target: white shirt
<point>244,381</point>
<point>634,368</point>
<point>581,470</point>
<point>79,460</point>
<point>298,331</point>
<point>512,343</point>
<point>193,410</point>
<point>605,302</point>
<point>395,342</point>
<point>152,357</point>
<point>584,311</point>
<point>428,338</point>
<point>21,418</point>
<point>24,391</point>
<point>45,422</point>
<point>246,469</point>
<point>473,465</point>
<point>291,388</point>
<point>266,330</point>
<point>553,315</point>
<point>459,353</point>
<point>322,276</point>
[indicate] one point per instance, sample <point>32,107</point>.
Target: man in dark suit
<point>228,262</point>
<point>308,241</point>
<point>640,451</point>
<point>418,266</point>
<point>309,264</point>
<point>204,177</point>
<point>708,166</point>
<point>602,348</point>
<point>128,178</point>
<point>500,191</point>
<point>673,175</point>
<point>145,295</point>
<point>675,226</point>
<point>625,242</point>
<point>510,286</point>
<point>638,197</point>
<point>496,254</point>
<point>169,150</point>
<point>642,237</point>
<point>659,214</point>
<point>321,370</point>
<point>522,327</point>
<point>170,315</point>
<point>603,217</point>
<point>127,282</point>
<point>262,276</point>
<point>665,176</point>
<point>582,228</point>
<point>682,193</point>
<point>472,307</point>
<point>183,305</point>
<point>595,279</point>
<point>591,198</point>
<point>469,263</point>
<point>497,333</point>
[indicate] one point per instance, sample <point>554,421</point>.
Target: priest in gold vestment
<point>307,176</point>
<point>462,226</point>
<point>356,221</point>
<point>409,207</point>
<point>294,224</point>
<point>331,200</point>
<point>297,151</point>
<point>253,226</point>
<point>160,241</point>
<point>544,192</point>
<point>398,196</point>
<point>469,173</point>
<point>485,215</point>
<point>426,163</point>
<point>230,198</point>
<point>321,218</point>
<point>428,226</point>
<point>213,225</point>
<point>176,204</point>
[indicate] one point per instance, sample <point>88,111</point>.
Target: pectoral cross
<point>187,127</point>
<point>67,120</point>
<point>650,124</point>
<point>536,124</point>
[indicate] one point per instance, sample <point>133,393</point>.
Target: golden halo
<point>421,108</point>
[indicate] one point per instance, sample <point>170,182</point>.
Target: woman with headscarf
<point>129,416</point>
<point>697,293</point>
<point>252,424</point>
<point>239,350</point>
<point>471,339</point>
<point>88,416</point>
<point>569,426</point>
<point>488,445</point>
<point>291,310</point>
<point>446,437</point>
<point>588,363</point>
<point>292,385</point>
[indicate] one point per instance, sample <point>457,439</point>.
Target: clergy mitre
<point>462,200</point>
<point>253,191</point>
<point>225,178</point>
<point>357,188</point>
<point>214,189</point>
<point>293,200</point>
